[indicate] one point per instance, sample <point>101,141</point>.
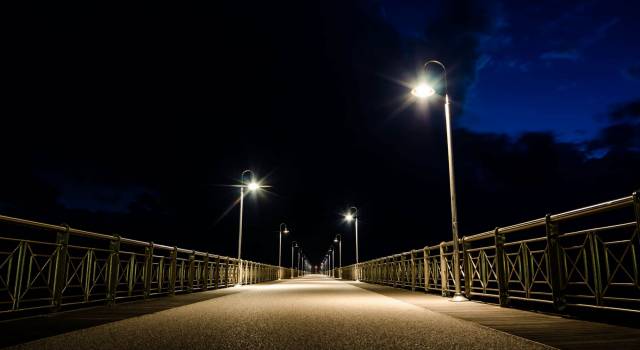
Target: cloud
<point>626,112</point>
<point>570,55</point>
<point>624,131</point>
<point>577,45</point>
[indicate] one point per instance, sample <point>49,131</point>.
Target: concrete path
<point>307,313</point>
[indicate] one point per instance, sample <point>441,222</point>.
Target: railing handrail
<point>102,236</point>
<point>571,214</point>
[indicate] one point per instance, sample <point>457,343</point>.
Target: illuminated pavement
<point>307,313</point>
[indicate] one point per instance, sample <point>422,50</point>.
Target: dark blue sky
<point>129,120</point>
<point>544,66</point>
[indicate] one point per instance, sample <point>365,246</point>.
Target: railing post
<point>173,271</point>
<point>205,271</point>
<point>595,265</point>
<point>226,272</point>
<point>502,278</point>
<point>191,270</point>
<point>113,270</point>
<point>160,274</point>
<point>524,267</point>
<point>555,264</point>
<point>466,263</point>
<point>444,279</point>
<point>426,267</point>
<point>413,271</point>
<point>636,209</point>
<point>148,270</point>
<point>60,276</point>
<point>216,273</point>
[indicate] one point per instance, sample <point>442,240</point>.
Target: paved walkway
<point>307,313</point>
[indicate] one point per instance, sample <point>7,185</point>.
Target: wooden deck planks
<point>553,330</point>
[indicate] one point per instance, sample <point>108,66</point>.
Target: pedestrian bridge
<point>116,292</point>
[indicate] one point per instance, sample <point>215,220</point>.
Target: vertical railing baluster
<point>17,288</point>
<point>113,270</point>
<point>444,279</point>
<point>132,273</point>
<point>173,271</point>
<point>160,274</point>
<point>466,262</point>
<point>216,273</point>
<point>87,275</point>
<point>148,269</point>
<point>191,271</point>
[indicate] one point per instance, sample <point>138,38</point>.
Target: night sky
<point>136,120</point>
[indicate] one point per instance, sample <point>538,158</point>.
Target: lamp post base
<point>458,297</point>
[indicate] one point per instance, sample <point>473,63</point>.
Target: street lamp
<point>338,240</point>
<point>424,91</point>
<point>294,245</point>
<point>351,216</point>
<point>285,230</point>
<point>251,186</point>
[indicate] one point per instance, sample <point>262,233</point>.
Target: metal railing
<point>44,266</point>
<point>586,257</point>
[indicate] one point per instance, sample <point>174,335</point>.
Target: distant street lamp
<point>333,259</point>
<point>423,91</point>
<point>285,231</point>
<point>251,186</point>
<point>294,245</point>
<point>351,216</point>
<point>338,240</point>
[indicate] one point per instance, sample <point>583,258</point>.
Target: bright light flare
<point>423,90</point>
<point>348,217</point>
<point>253,186</point>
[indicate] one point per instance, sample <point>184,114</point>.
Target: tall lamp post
<point>294,245</point>
<point>285,230</point>
<point>338,240</point>
<point>423,91</point>
<point>251,186</point>
<point>351,216</point>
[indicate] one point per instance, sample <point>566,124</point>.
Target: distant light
<point>253,186</point>
<point>422,91</point>
<point>335,240</point>
<point>286,231</point>
<point>348,217</point>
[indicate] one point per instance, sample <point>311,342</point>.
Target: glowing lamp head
<point>286,231</point>
<point>348,217</point>
<point>423,90</point>
<point>335,240</point>
<point>253,186</point>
